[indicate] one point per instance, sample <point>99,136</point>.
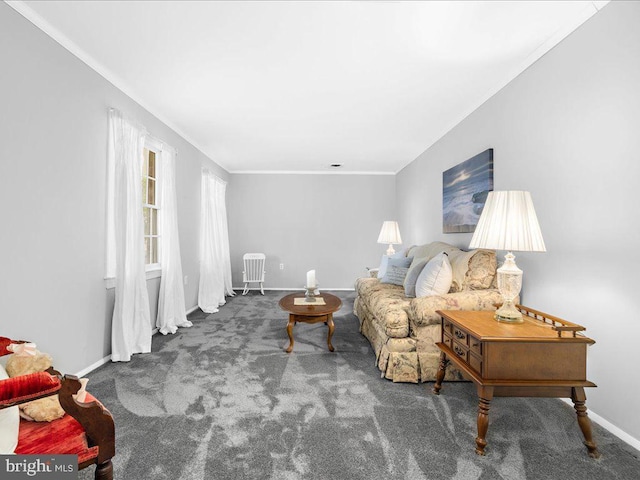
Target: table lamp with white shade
<point>390,233</point>
<point>508,222</point>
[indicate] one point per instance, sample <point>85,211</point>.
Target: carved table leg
<point>104,471</point>
<point>579,398</point>
<point>290,325</point>
<point>331,329</point>
<point>485,395</point>
<point>444,361</point>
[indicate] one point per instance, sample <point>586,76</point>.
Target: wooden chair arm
<point>95,419</point>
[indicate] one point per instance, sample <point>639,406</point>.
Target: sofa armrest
<point>24,388</point>
<point>422,311</point>
<point>387,305</point>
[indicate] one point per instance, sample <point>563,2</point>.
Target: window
<point>150,208</point>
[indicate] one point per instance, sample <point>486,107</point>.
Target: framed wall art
<point>464,192</point>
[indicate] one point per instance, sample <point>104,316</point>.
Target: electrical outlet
<point>186,279</point>
<point>282,266</point>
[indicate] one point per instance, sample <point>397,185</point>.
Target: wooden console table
<point>542,357</point>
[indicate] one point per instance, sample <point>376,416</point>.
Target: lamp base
<point>509,284</point>
<point>390,250</point>
<point>508,313</point>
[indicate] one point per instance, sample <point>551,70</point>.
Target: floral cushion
<point>422,311</point>
<point>482,271</point>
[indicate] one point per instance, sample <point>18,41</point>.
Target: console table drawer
<point>475,345</point>
<point>475,362</point>
<point>460,335</point>
<point>447,327</point>
<point>461,351</point>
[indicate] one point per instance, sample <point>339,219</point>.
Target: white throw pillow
<point>435,278</point>
<point>9,424</point>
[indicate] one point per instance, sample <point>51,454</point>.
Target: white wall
<point>325,222</point>
<point>566,130</point>
<point>53,142</point>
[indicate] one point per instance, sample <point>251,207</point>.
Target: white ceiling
<point>297,86</point>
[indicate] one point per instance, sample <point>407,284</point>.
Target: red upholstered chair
<point>86,430</point>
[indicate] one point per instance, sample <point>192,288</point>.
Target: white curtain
<point>131,325</point>
<point>171,305</point>
<point>215,260</point>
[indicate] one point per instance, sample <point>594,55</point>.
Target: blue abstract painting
<point>464,192</point>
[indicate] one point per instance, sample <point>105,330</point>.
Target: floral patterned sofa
<point>403,331</point>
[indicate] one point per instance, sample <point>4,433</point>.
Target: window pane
<point>145,165</point>
<point>144,189</point>
<point>151,193</point>
<point>152,164</point>
<point>150,214</point>
<point>154,250</point>
<point>147,252</point>
<point>147,220</point>
<point>154,221</point>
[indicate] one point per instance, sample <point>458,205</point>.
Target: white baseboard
<point>106,359</point>
<point>607,425</point>
<point>93,366</point>
<point>192,309</point>
<point>296,289</point>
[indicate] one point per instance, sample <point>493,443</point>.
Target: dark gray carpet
<point>221,400</point>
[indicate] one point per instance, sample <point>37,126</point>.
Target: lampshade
<point>390,233</point>
<point>508,222</point>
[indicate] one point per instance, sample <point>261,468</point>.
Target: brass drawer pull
<point>475,344</point>
<point>459,334</point>
<point>458,350</point>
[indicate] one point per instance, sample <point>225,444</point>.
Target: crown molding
<point>36,19</point>
<point>303,172</point>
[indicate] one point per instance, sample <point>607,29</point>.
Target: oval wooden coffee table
<point>310,313</point>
